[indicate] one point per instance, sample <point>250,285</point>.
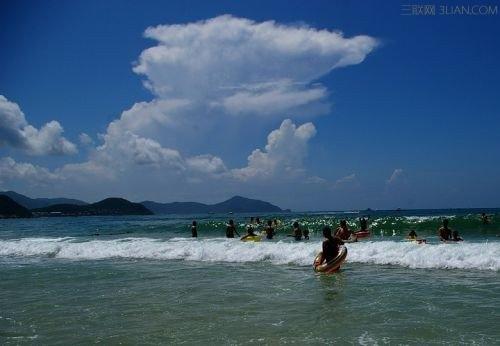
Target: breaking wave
<point>477,256</point>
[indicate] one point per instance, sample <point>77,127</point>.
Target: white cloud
<point>203,76</point>
<point>284,153</point>
<point>27,172</point>
<point>397,176</point>
<point>206,164</point>
<point>271,98</point>
<point>16,132</point>
<point>85,139</point>
<point>228,60</point>
<point>348,181</point>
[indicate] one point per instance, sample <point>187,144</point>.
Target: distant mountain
<point>108,206</point>
<point>32,203</point>
<point>236,204</point>
<point>10,208</point>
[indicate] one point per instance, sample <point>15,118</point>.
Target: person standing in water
<point>297,232</point>
<point>456,236</point>
<point>231,230</point>
<point>269,230</point>
<point>412,235</point>
<point>363,223</point>
<point>485,219</point>
<point>444,231</point>
<point>194,231</point>
<point>330,246</point>
<point>342,231</point>
<point>306,233</point>
<point>250,233</point>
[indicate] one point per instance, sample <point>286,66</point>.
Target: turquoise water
<point>142,280</point>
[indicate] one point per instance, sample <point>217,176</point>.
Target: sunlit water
<point>143,280</point>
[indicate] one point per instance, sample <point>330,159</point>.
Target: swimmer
<point>412,235</point>
<point>306,233</point>
<point>231,230</point>
<point>330,245</point>
<point>194,231</point>
<point>456,236</point>
<point>269,230</point>
<point>363,223</point>
<point>444,231</point>
<point>250,233</point>
<point>297,232</point>
<point>342,231</point>
<point>485,219</point>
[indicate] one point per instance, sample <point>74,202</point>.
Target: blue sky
<point>415,124</point>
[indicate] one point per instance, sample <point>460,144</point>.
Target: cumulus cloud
<point>32,174</point>
<point>16,132</point>
<point>246,66</point>
<point>284,153</point>
<point>85,139</point>
<point>206,164</point>
<point>207,75</point>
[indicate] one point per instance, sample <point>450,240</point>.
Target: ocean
<point>144,280</point>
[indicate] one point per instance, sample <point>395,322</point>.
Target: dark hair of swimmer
<point>343,223</point>
<point>194,223</point>
<point>445,222</point>
<point>231,222</point>
<point>327,233</point>
<point>295,224</point>
<point>269,222</point>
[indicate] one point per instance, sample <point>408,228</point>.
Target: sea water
<point>144,280</point>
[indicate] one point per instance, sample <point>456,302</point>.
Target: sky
<point>319,105</point>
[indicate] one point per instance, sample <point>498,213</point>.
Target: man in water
<point>306,233</point>
<point>269,230</point>
<point>456,236</point>
<point>412,235</point>
<point>194,231</point>
<point>250,233</point>
<point>231,230</point>
<point>444,231</point>
<point>363,223</point>
<point>343,232</point>
<point>297,232</point>
<point>484,219</point>
<point>330,245</point>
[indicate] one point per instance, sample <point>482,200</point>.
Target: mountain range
<point>236,204</point>
<point>32,203</point>
<point>120,206</point>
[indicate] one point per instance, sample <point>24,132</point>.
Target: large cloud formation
<point>209,76</point>
<point>16,132</point>
<point>245,66</point>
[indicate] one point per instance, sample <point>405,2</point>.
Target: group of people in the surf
<point>269,230</point>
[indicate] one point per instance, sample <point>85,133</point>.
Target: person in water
<point>363,223</point>
<point>297,232</point>
<point>231,230</point>
<point>444,231</point>
<point>342,231</point>
<point>269,230</point>
<point>412,235</point>
<point>456,236</point>
<point>194,230</point>
<point>250,233</point>
<point>485,219</point>
<point>331,245</point>
<point>306,233</point>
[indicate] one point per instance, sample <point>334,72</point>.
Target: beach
<point>144,280</point>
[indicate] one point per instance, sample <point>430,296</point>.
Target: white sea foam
<point>479,256</point>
